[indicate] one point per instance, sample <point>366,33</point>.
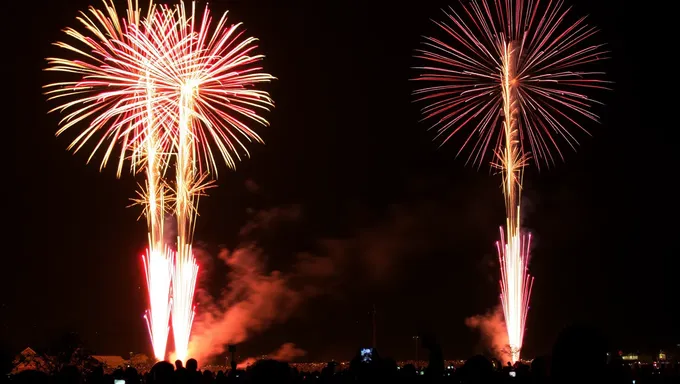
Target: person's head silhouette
<point>192,365</point>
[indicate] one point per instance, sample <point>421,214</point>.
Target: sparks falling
<point>158,269</point>
<point>165,87</point>
<point>211,87</point>
<point>118,100</point>
<point>508,81</point>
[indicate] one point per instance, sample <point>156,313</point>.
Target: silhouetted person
<point>362,368</point>
<point>408,374</point>
<point>69,375</point>
<point>96,376</point>
<point>161,373</point>
<point>477,369</point>
<point>522,372</point>
<point>181,375</point>
<point>131,376</point>
<point>269,371</point>
<point>435,366</point>
<point>540,369</point>
<point>118,374</point>
<point>328,371</point>
<point>220,378</point>
<point>207,377</point>
<point>388,370</point>
<point>193,374</point>
<point>579,356</point>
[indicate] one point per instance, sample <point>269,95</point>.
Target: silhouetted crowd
<point>477,369</point>
<point>578,356</point>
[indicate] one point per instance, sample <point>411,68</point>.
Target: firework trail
<point>507,80</point>
<point>116,97</point>
<point>209,85</point>
<point>160,88</point>
<point>158,270</point>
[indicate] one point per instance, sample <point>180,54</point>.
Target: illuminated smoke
<point>265,219</point>
<point>493,331</point>
<point>253,301</point>
<point>286,353</point>
<point>255,297</point>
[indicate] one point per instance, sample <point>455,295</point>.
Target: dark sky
<point>416,227</point>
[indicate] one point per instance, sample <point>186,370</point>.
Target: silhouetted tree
<point>28,359</point>
<point>477,369</point>
<point>68,349</point>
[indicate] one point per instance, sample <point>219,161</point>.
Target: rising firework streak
<point>158,270</point>
<point>210,87</point>
<point>184,275</point>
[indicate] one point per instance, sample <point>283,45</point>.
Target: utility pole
<point>232,350</point>
<point>374,329</point>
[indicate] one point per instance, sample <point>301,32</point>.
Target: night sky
<point>349,175</point>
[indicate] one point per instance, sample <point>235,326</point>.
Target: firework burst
<point>116,99</point>
<point>510,54</point>
<point>209,95</point>
<point>507,79</point>
<point>156,90</point>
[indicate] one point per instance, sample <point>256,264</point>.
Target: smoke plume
<point>286,353</point>
<point>253,301</point>
<point>255,297</point>
<point>265,219</point>
<point>491,326</point>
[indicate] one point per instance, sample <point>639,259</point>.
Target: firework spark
<point>209,87</point>
<point>185,271</point>
<point>158,269</point>
<point>516,284</point>
<point>161,87</point>
<point>547,89</point>
<point>116,95</point>
<point>509,82</point>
